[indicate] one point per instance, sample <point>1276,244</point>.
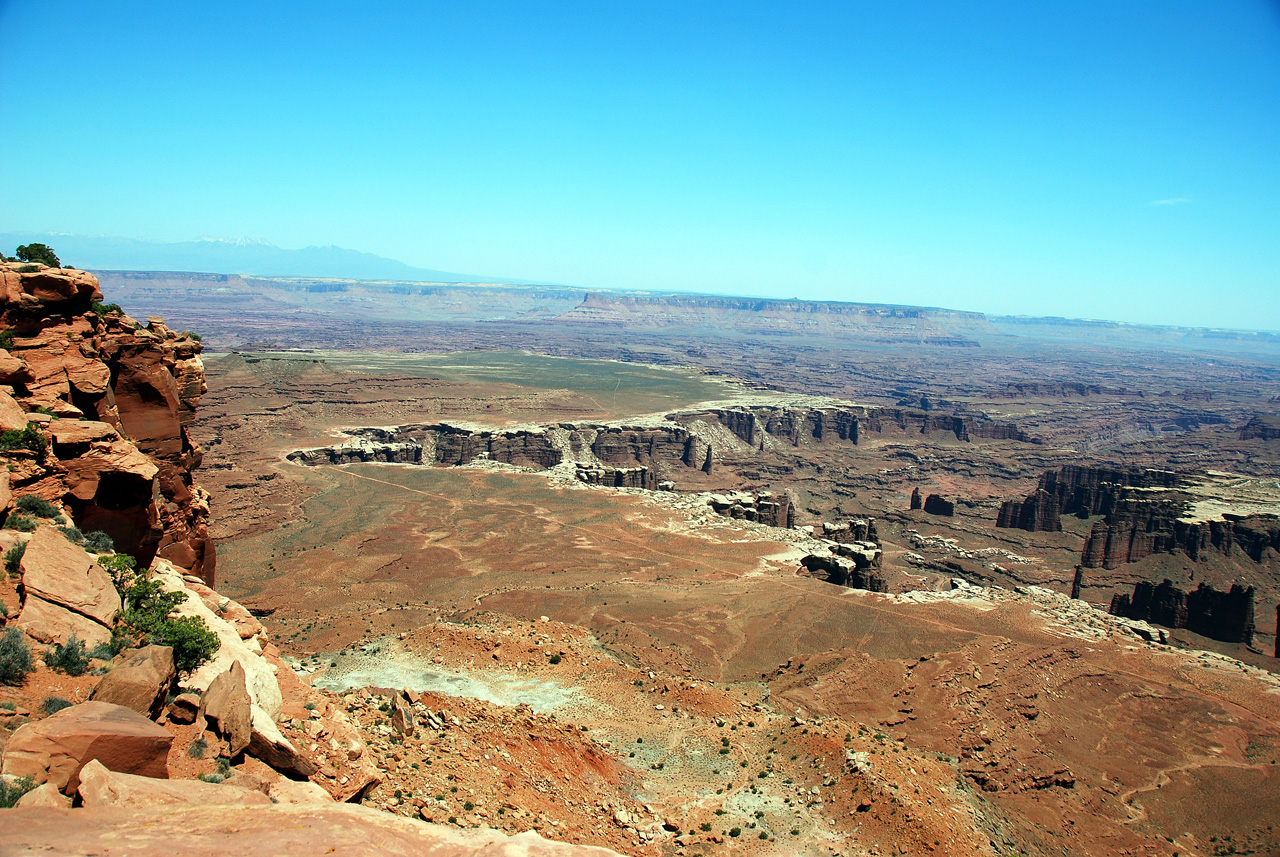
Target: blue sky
<point>1104,160</point>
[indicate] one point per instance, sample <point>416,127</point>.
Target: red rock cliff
<point>113,399</point>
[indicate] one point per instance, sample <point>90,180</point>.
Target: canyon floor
<point>629,668</point>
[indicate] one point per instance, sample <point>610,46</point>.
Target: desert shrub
<point>40,253</point>
<point>6,340</point>
<point>99,542</point>
<point>27,438</point>
<point>10,791</point>
<point>147,619</point>
<point>15,658</point>
<point>13,558</point>
<point>54,704</point>
<point>38,506</point>
<point>210,778</point>
<point>107,651</point>
<point>103,309</point>
<point>198,748</point>
<point>20,522</point>
<point>121,567</point>
<point>555,659</point>
<point>28,269</point>
<point>70,658</point>
<point>73,534</point>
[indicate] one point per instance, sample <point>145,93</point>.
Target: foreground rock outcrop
<point>203,830</point>
<point>54,750</point>
<point>126,468</point>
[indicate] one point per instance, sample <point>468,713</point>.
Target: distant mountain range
<point>235,256</point>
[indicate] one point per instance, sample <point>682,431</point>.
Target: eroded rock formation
<point>1227,616</point>
<point>126,468</point>
<point>936,504</point>
<point>1037,513</point>
<point>1144,512</point>
<point>1262,428</point>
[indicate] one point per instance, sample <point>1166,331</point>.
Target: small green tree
<point>147,617</point>
<point>122,569</point>
<point>27,438</point>
<point>15,658</point>
<point>41,254</point>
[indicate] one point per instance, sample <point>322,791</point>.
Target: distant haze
<point>94,252</point>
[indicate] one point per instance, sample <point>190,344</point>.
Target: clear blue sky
<point>1109,160</point>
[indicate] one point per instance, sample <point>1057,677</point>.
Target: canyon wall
<point>806,426</point>
<point>1227,616</point>
<point>113,401</point>
<point>1144,512</point>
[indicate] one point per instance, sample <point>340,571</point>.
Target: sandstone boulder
<point>13,369</point>
<point>402,716</point>
<point>102,787</point>
<point>268,744</point>
<point>61,573</point>
<point>52,286</point>
<point>54,750</point>
<point>184,708</point>
<point>53,623</point>
<point>45,794</point>
<point>226,706</point>
<point>140,680</point>
<point>216,831</point>
<point>12,416</point>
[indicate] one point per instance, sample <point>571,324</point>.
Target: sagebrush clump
<point>20,522</point>
<point>28,438</point>
<point>13,559</point>
<point>70,658</point>
<point>15,658</point>
<point>38,506</point>
<point>10,791</point>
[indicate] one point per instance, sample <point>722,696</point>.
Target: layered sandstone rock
<point>1036,514</point>
<point>140,680</point>
<point>100,786</point>
<point>127,471</point>
<point>1227,616</point>
<point>855,573</point>
<point>936,504</point>
<point>1262,428</point>
<point>66,592</point>
<point>201,830</point>
<point>54,750</point>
